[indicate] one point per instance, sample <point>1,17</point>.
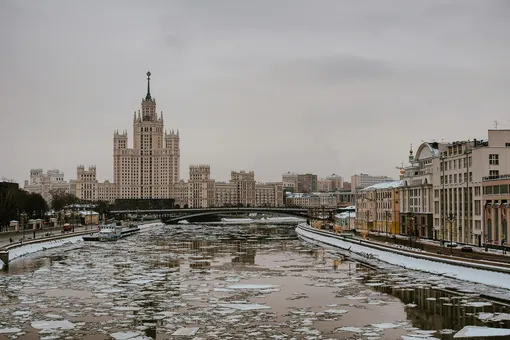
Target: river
<point>224,282</point>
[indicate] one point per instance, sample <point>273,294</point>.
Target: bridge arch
<point>212,212</point>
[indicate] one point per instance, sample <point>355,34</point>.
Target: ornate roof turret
<point>148,96</point>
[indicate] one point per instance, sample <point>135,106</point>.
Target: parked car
<point>452,245</point>
<point>467,249</point>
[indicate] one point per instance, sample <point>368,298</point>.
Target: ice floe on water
<point>225,282</point>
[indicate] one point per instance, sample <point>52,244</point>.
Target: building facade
<point>290,181</point>
<point>365,180</point>
<point>307,183</point>
<point>330,183</point>
<point>378,207</point>
<point>417,193</point>
<point>151,168</point>
<point>496,211</point>
<point>245,186</point>
<point>45,183</point>
<point>200,186</point>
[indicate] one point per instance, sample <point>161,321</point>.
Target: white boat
<point>112,232</point>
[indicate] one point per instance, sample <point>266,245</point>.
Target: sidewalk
<point>39,234</point>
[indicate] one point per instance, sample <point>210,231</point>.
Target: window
<point>493,173</point>
<point>477,191</point>
<point>494,159</point>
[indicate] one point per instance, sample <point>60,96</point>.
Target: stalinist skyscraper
<point>151,167</point>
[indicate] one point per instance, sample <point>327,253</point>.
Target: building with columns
<point>151,168</point>
<point>417,193</point>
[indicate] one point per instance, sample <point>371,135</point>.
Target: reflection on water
<point>434,309</point>
<point>154,283</point>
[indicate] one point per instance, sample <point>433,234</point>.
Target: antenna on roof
<point>496,123</point>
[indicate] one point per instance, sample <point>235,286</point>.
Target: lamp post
<point>24,218</point>
<point>410,227</point>
<point>451,220</point>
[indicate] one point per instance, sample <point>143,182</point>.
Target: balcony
<point>495,178</point>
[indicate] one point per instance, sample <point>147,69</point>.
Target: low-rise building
<point>313,200</point>
<point>378,207</point>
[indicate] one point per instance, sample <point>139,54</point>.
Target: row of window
<point>496,189</point>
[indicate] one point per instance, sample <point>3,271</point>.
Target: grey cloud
<point>250,84</point>
<point>334,69</point>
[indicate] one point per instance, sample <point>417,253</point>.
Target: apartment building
<point>307,183</point>
<point>290,181</point>
<point>330,183</point>
<point>269,194</point>
<point>201,187</point>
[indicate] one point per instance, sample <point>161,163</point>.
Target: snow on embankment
<point>490,278</point>
<point>35,247</point>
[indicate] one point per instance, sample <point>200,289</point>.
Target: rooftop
<point>385,185</point>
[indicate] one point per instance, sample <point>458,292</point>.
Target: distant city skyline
<point>318,87</point>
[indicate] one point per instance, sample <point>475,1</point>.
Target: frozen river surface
<point>224,282</point>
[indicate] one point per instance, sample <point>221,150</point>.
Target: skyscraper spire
<point>148,96</point>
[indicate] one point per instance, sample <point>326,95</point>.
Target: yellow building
<point>378,207</point>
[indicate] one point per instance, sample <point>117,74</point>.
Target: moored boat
<point>112,232</point>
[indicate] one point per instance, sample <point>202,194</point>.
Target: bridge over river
<point>176,215</point>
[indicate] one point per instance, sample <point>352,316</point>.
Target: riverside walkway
<point>40,234</point>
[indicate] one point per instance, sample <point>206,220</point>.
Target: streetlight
<point>24,219</point>
<point>451,220</point>
<point>410,227</point>
<point>387,215</point>
<point>443,197</point>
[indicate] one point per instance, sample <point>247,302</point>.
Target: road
<point>39,234</point>
<point>433,248</point>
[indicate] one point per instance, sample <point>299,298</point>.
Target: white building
<point>365,180</point>
<point>416,208</point>
<point>44,183</point>
<point>201,187</point>
<point>88,188</point>
<point>151,168</point>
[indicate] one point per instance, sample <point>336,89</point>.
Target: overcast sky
<point>271,86</point>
